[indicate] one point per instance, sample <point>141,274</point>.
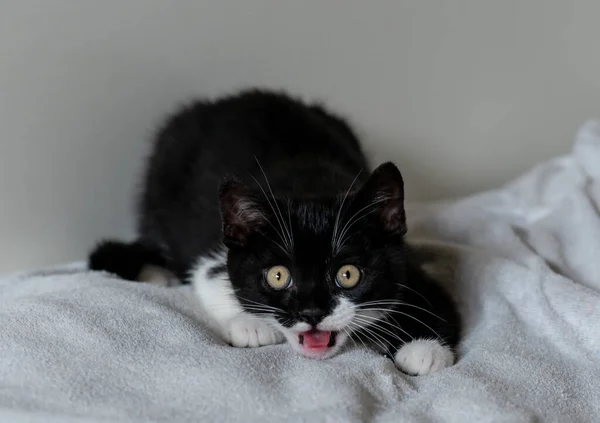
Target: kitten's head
<point>311,267</point>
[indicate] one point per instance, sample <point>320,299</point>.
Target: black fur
<point>204,186</point>
<point>125,260</point>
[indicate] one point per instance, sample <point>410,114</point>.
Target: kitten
<point>264,203</point>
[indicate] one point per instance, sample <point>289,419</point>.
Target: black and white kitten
<point>265,204</point>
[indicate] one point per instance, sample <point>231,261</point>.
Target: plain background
<point>463,95</point>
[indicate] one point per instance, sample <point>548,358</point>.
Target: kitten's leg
<point>430,326</point>
<point>429,335</point>
<point>419,334</point>
<point>416,344</point>
<point>413,350</point>
<point>223,311</point>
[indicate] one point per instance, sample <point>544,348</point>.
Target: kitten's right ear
<point>241,212</point>
<point>384,192</point>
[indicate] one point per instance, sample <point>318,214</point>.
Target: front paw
<point>248,331</point>
<point>423,357</point>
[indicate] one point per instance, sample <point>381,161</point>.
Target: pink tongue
<point>316,339</point>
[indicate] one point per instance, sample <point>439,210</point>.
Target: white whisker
<point>407,315</point>
<point>278,214</point>
<point>416,292</point>
<point>377,327</point>
<point>356,217</point>
<point>399,303</point>
<point>259,304</point>
<point>337,218</point>
<point>350,337</point>
<point>373,336</point>
<point>290,221</point>
<point>287,250</point>
<point>358,330</point>
<point>386,320</point>
<point>376,323</point>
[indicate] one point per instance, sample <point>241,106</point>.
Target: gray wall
<point>463,94</point>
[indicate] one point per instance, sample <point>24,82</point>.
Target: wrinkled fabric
<point>523,263</point>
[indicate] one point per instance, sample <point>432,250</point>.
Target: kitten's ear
<point>384,193</point>
<point>241,212</point>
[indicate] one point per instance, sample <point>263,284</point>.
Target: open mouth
<point>316,342</point>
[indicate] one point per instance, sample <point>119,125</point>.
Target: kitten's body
<point>303,199</point>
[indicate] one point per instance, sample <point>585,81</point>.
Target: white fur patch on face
<point>299,327</point>
<point>423,357</point>
<point>222,310</point>
<point>340,317</point>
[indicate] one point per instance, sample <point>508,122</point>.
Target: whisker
<point>397,325</point>
<point>285,250</point>
<point>358,331</point>
<point>356,218</point>
<point>290,221</point>
<point>281,222</point>
<point>245,306</point>
<point>386,319</point>
<point>376,327</point>
<point>376,323</point>
<point>260,304</point>
<point>350,337</point>
<point>259,312</point>
<point>280,233</point>
<point>375,336</point>
<point>362,342</point>
<point>285,322</point>
<point>400,303</point>
<point>366,329</point>
<point>416,292</point>
<point>407,315</point>
<point>337,218</point>
<point>253,307</point>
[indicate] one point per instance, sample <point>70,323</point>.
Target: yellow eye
<point>348,276</point>
<point>278,277</point>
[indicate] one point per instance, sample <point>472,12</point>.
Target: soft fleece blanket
<point>523,261</point>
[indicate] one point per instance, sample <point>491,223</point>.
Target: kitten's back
<point>305,150</point>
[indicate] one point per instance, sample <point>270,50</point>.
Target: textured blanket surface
<point>523,262</point>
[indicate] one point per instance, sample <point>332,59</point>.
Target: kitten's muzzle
<point>312,316</point>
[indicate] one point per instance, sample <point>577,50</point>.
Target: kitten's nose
<point>312,316</point>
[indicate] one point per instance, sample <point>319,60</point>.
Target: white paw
<point>249,331</point>
<point>423,357</point>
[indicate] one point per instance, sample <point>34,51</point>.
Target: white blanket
<point>525,266</point>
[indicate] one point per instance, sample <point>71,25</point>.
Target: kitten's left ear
<point>384,192</point>
<point>242,214</point>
